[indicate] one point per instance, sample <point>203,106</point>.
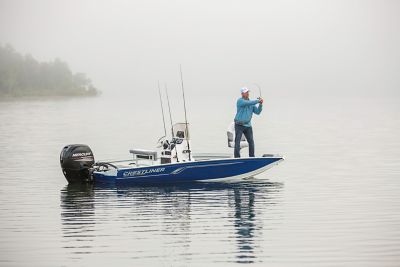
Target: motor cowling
<point>76,161</point>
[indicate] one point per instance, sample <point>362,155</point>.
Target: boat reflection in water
<point>185,223</point>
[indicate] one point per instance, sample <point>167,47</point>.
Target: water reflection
<point>77,212</point>
<point>176,216</point>
<point>245,224</point>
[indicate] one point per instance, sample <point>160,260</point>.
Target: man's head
<point>245,92</point>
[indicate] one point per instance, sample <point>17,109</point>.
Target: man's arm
<point>257,110</point>
<point>243,102</point>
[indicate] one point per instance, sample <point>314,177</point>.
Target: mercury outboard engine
<point>76,161</point>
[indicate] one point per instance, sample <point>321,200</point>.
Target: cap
<point>244,90</point>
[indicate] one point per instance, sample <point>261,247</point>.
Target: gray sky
<point>335,48</point>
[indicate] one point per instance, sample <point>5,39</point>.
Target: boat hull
<point>218,169</point>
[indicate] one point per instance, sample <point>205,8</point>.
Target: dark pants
<point>248,133</point>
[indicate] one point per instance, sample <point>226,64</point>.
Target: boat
<point>172,161</point>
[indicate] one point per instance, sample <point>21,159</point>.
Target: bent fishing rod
<point>259,90</point>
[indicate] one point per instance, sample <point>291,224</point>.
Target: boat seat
<point>231,137</point>
<point>143,154</point>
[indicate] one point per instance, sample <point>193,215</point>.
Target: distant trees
<point>24,76</point>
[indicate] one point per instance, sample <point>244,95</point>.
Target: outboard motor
<point>76,161</point>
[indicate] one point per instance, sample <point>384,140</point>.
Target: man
<point>245,110</point>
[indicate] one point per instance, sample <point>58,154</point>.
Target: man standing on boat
<point>245,110</point>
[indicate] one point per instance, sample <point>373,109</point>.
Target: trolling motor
<point>76,162</point>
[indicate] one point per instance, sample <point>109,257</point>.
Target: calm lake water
<point>334,201</point>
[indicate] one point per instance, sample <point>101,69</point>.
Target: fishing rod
<point>184,106</point>
<point>170,119</point>
<point>162,109</point>
<point>259,90</point>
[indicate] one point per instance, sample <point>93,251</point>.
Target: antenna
<point>184,106</point>
<point>170,119</point>
<point>162,109</point>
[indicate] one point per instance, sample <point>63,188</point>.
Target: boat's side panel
<point>189,171</point>
<point>244,175</point>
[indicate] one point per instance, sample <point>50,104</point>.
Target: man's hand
<point>261,101</point>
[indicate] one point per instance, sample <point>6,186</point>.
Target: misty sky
<point>336,48</point>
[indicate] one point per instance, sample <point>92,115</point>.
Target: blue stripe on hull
<point>189,171</point>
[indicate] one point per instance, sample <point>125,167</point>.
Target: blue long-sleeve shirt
<point>245,110</point>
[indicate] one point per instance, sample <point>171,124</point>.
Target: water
<point>334,201</point>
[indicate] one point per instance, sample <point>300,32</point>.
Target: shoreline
<point>8,98</point>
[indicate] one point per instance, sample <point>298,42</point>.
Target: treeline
<point>24,76</point>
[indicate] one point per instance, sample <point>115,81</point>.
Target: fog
<point>291,48</point>
<point>330,77</point>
